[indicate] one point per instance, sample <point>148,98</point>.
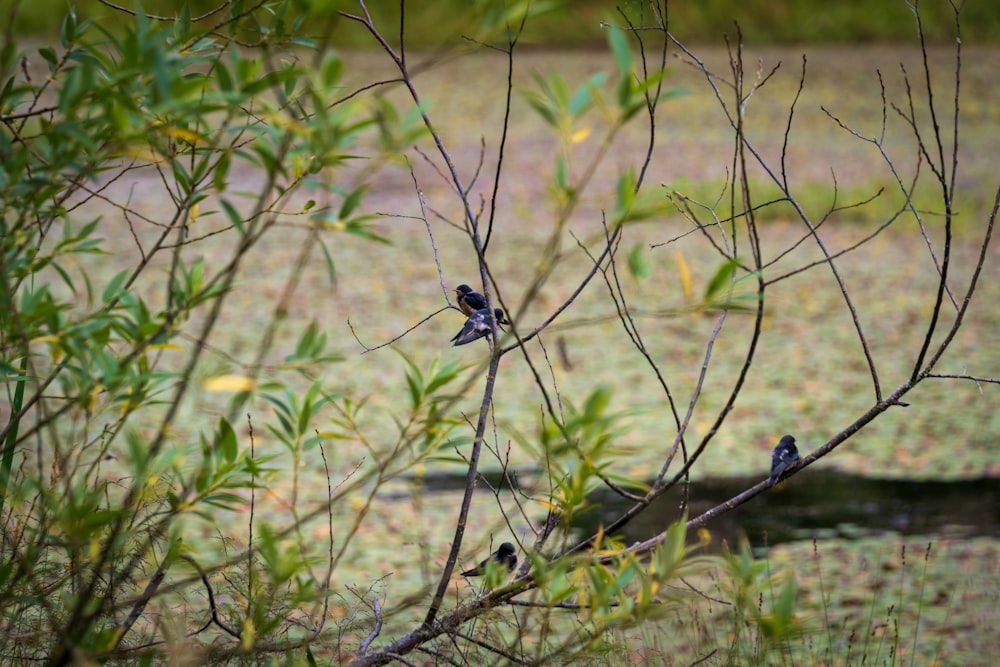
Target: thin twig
<point>962,376</point>
<point>366,349</point>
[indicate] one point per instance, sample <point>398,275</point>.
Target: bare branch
<point>377,608</point>
<point>366,349</point>
<point>962,376</point>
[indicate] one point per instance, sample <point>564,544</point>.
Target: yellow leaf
<point>55,350</point>
<point>95,549</point>
<point>112,641</point>
<point>95,392</point>
<point>286,123</point>
<point>193,213</point>
<point>182,134</point>
<point>580,135</point>
<point>143,153</point>
<point>685,274</point>
<point>229,383</point>
<point>166,346</point>
<point>547,505</point>
<point>248,633</point>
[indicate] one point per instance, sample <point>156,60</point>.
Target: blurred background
<point>576,24</point>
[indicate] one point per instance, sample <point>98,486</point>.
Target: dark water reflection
<point>825,504</point>
<point>814,504</point>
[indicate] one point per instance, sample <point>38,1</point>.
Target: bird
<point>504,555</point>
<point>478,325</point>
<point>784,455</point>
<point>468,300</point>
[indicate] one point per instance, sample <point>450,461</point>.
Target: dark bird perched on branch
<point>468,300</point>
<point>783,456</point>
<point>478,325</point>
<point>504,556</point>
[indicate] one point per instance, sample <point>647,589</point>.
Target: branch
<point>211,598</point>
<point>980,263</point>
<point>367,349</point>
<point>960,376</point>
<point>147,595</point>
<point>377,608</point>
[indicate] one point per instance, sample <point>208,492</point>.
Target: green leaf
<point>233,215</point>
<point>597,402</point>
<point>226,501</point>
<point>581,100</point>
<point>223,77</point>
<point>49,54</point>
<point>66,277</point>
<point>305,414</point>
<point>182,176</point>
<point>331,69</point>
<point>331,269</point>
<point>560,93</point>
<point>221,170</point>
<point>626,575</point>
<point>625,93</point>
<point>182,26</point>
<point>269,79</point>
<point>5,571</point>
<point>441,377</point>
<point>416,390</point>
<point>285,413</point>
<point>624,194</point>
<point>784,606</point>
<point>114,287</point>
<point>351,202</point>
<point>672,550</point>
<point>562,172</point>
<point>638,262</point>
<point>721,280</point>
<point>541,106</point>
<point>69,28</point>
<point>634,107</point>
<point>227,440</point>
<point>619,46</point>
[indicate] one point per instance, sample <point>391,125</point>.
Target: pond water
<point>821,504</point>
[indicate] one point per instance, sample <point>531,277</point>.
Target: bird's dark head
<point>506,549</point>
<point>498,313</point>
<point>787,441</point>
<point>463,289</point>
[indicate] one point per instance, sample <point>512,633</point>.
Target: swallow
<point>784,455</point>
<point>478,325</point>
<point>504,556</point>
<point>468,300</point>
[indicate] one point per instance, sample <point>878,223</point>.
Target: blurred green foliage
<point>578,24</point>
